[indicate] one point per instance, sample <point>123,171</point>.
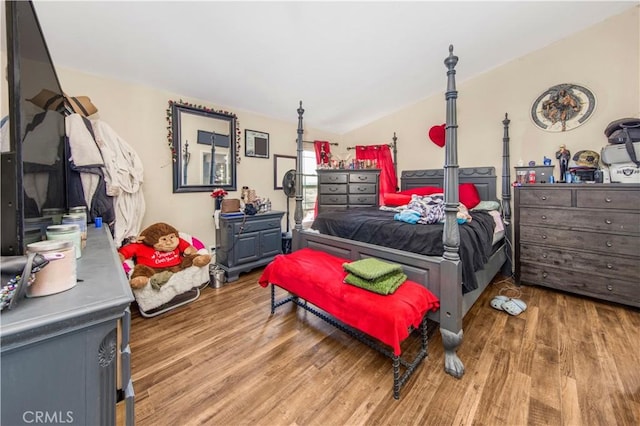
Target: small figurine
<point>563,155</point>
<point>546,161</point>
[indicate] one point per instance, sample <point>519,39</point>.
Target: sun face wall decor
<point>563,107</point>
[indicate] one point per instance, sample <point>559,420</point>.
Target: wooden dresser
<point>580,238</point>
<point>347,188</point>
<point>64,355</point>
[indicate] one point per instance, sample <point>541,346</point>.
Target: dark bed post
<point>507,269</point>
<point>451,232</point>
<point>395,158</point>
<point>451,268</point>
<point>298,212</point>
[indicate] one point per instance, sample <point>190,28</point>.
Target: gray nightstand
<point>245,243</point>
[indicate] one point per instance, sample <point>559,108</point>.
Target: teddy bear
<point>157,249</point>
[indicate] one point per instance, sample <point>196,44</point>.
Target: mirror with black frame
<point>205,149</point>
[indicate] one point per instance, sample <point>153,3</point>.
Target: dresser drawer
<point>365,188</point>
<point>545,197</point>
<point>607,288</point>
<point>256,225</point>
<point>363,178</point>
<point>329,207</point>
<point>370,200</point>
<point>614,265</point>
<point>608,199</point>
<point>600,220</point>
<point>333,177</point>
<point>332,199</point>
<point>581,240</point>
<point>333,189</point>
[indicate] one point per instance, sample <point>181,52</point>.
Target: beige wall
<point>138,114</point>
<point>605,58</point>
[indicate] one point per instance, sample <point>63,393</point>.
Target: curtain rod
<point>390,145</point>
<point>330,143</point>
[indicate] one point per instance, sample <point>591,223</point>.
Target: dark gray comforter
<point>374,226</point>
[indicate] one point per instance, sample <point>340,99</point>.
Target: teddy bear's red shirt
<point>153,258</point>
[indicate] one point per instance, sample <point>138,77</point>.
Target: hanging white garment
<point>84,153</point>
<point>124,177</point>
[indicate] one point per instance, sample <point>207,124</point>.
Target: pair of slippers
<point>512,306</point>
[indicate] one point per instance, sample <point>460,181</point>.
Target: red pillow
<point>422,190</point>
<point>469,195</point>
<point>396,199</point>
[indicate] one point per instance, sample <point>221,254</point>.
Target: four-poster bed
<point>442,275</point>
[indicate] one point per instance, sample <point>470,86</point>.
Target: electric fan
<point>289,189</point>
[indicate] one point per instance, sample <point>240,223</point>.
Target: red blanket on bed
<point>317,277</point>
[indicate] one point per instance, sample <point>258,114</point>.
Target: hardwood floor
<point>224,360</point>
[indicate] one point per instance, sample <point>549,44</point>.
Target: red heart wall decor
<point>437,135</point>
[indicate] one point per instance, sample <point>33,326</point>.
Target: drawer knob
<point>544,217</point>
<point>609,244</point>
<point>607,221</point>
<point>609,287</point>
<point>607,200</point>
<point>333,189</point>
<point>544,198</point>
<point>609,266</point>
<point>361,189</point>
<point>544,237</point>
<point>545,275</point>
<point>362,177</point>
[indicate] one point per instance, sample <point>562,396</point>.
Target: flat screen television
<point>34,149</point>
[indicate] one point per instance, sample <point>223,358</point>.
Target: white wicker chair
<point>182,288</point>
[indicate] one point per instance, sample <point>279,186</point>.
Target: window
<point>309,187</point>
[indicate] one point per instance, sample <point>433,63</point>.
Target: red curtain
<point>323,152</point>
<point>382,156</point>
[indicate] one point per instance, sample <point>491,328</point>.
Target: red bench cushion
<point>317,277</point>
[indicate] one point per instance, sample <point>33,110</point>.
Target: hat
<point>437,135</point>
<point>62,103</point>
<point>585,159</point>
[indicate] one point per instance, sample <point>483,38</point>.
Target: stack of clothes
<point>374,275</point>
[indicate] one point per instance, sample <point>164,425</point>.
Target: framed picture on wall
<point>256,144</point>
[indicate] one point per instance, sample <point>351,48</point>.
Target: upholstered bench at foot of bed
<point>380,321</point>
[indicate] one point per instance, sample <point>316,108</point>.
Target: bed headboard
<point>484,178</point>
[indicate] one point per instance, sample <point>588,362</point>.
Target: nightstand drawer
<point>581,240</point>
<point>355,199</point>
<point>607,288</point>
<point>332,199</point>
<point>363,178</point>
<point>256,225</point>
<point>608,199</point>
<point>599,220</point>
<point>545,197</point>
<point>588,263</point>
<point>333,177</point>
<point>362,188</point>
<point>333,189</point>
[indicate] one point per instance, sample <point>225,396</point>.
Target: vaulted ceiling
<point>349,62</point>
